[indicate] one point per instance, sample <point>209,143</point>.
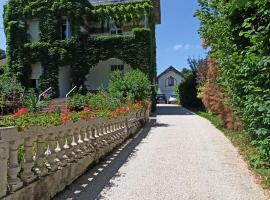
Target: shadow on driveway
<point>163,109</point>
<point>90,185</point>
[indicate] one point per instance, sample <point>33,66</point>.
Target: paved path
<point>182,157</point>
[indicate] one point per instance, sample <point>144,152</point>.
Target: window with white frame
<point>117,68</point>
<point>66,28</point>
<point>114,29</point>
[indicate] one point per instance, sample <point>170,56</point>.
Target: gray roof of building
<point>171,68</point>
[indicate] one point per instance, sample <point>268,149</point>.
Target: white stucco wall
<point>33,30</point>
<point>98,77</point>
<point>64,80</point>
<point>164,88</point>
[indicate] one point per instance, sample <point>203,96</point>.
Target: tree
<point>188,89</point>
<point>237,33</point>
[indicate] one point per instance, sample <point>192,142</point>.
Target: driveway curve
<point>181,157</point>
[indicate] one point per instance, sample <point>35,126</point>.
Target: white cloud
<point>186,46</point>
<point>178,47</point>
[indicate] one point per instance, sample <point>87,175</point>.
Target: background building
<point>168,81</point>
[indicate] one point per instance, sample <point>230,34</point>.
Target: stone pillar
<point>40,158</point>
<point>27,174</point>
<point>52,155</point>
<point>4,154</point>
<point>14,168</point>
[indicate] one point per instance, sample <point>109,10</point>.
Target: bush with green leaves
<point>10,94</point>
<point>237,33</point>
<point>132,85</point>
<point>102,100</point>
<point>32,102</point>
<point>187,91</point>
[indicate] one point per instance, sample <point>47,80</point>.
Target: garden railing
<point>39,162</point>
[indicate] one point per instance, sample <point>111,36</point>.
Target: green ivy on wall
<point>82,52</point>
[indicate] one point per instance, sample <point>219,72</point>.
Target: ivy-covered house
<point>66,43</point>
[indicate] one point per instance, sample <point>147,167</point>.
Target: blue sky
<point>177,36</point>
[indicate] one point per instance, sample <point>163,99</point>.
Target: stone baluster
<point>70,146</point>
<point>91,139</point>
<point>85,141</point>
<point>111,130</point>
<point>41,168</point>
<point>126,127</point>
<point>52,154</point>
<point>4,154</point>
<point>113,136</point>
<point>61,151</point>
<point>96,136</point>
<point>14,168</point>
<point>76,143</point>
<point>27,174</point>
<point>105,133</point>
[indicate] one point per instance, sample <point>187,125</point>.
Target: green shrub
<point>238,37</point>
<point>102,100</point>
<point>132,85</point>
<point>32,102</point>
<point>10,94</point>
<point>187,93</point>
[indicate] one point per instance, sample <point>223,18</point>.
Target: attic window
<point>171,81</point>
<point>66,28</point>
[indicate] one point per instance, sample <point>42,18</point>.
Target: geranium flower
<point>21,111</point>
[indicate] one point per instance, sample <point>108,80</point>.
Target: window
<point>33,30</point>
<point>117,68</point>
<point>65,28</point>
<point>171,81</point>
<point>114,29</point>
<point>34,83</point>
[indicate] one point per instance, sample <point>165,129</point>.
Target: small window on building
<point>66,28</point>
<point>117,68</point>
<point>114,29</point>
<point>34,83</point>
<point>171,81</point>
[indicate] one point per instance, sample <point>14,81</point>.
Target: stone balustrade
<point>54,157</point>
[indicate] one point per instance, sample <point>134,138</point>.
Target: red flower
<point>65,116</point>
<point>92,116</point>
<point>89,107</point>
<point>20,112</point>
<point>83,116</point>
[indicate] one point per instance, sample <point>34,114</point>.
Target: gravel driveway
<point>182,157</point>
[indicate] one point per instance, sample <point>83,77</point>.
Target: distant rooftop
<point>104,2</point>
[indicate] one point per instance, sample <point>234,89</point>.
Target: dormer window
<point>66,28</point>
<point>114,30</point>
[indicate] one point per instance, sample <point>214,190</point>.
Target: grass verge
<point>243,142</point>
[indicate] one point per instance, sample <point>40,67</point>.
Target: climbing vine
<point>81,52</point>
